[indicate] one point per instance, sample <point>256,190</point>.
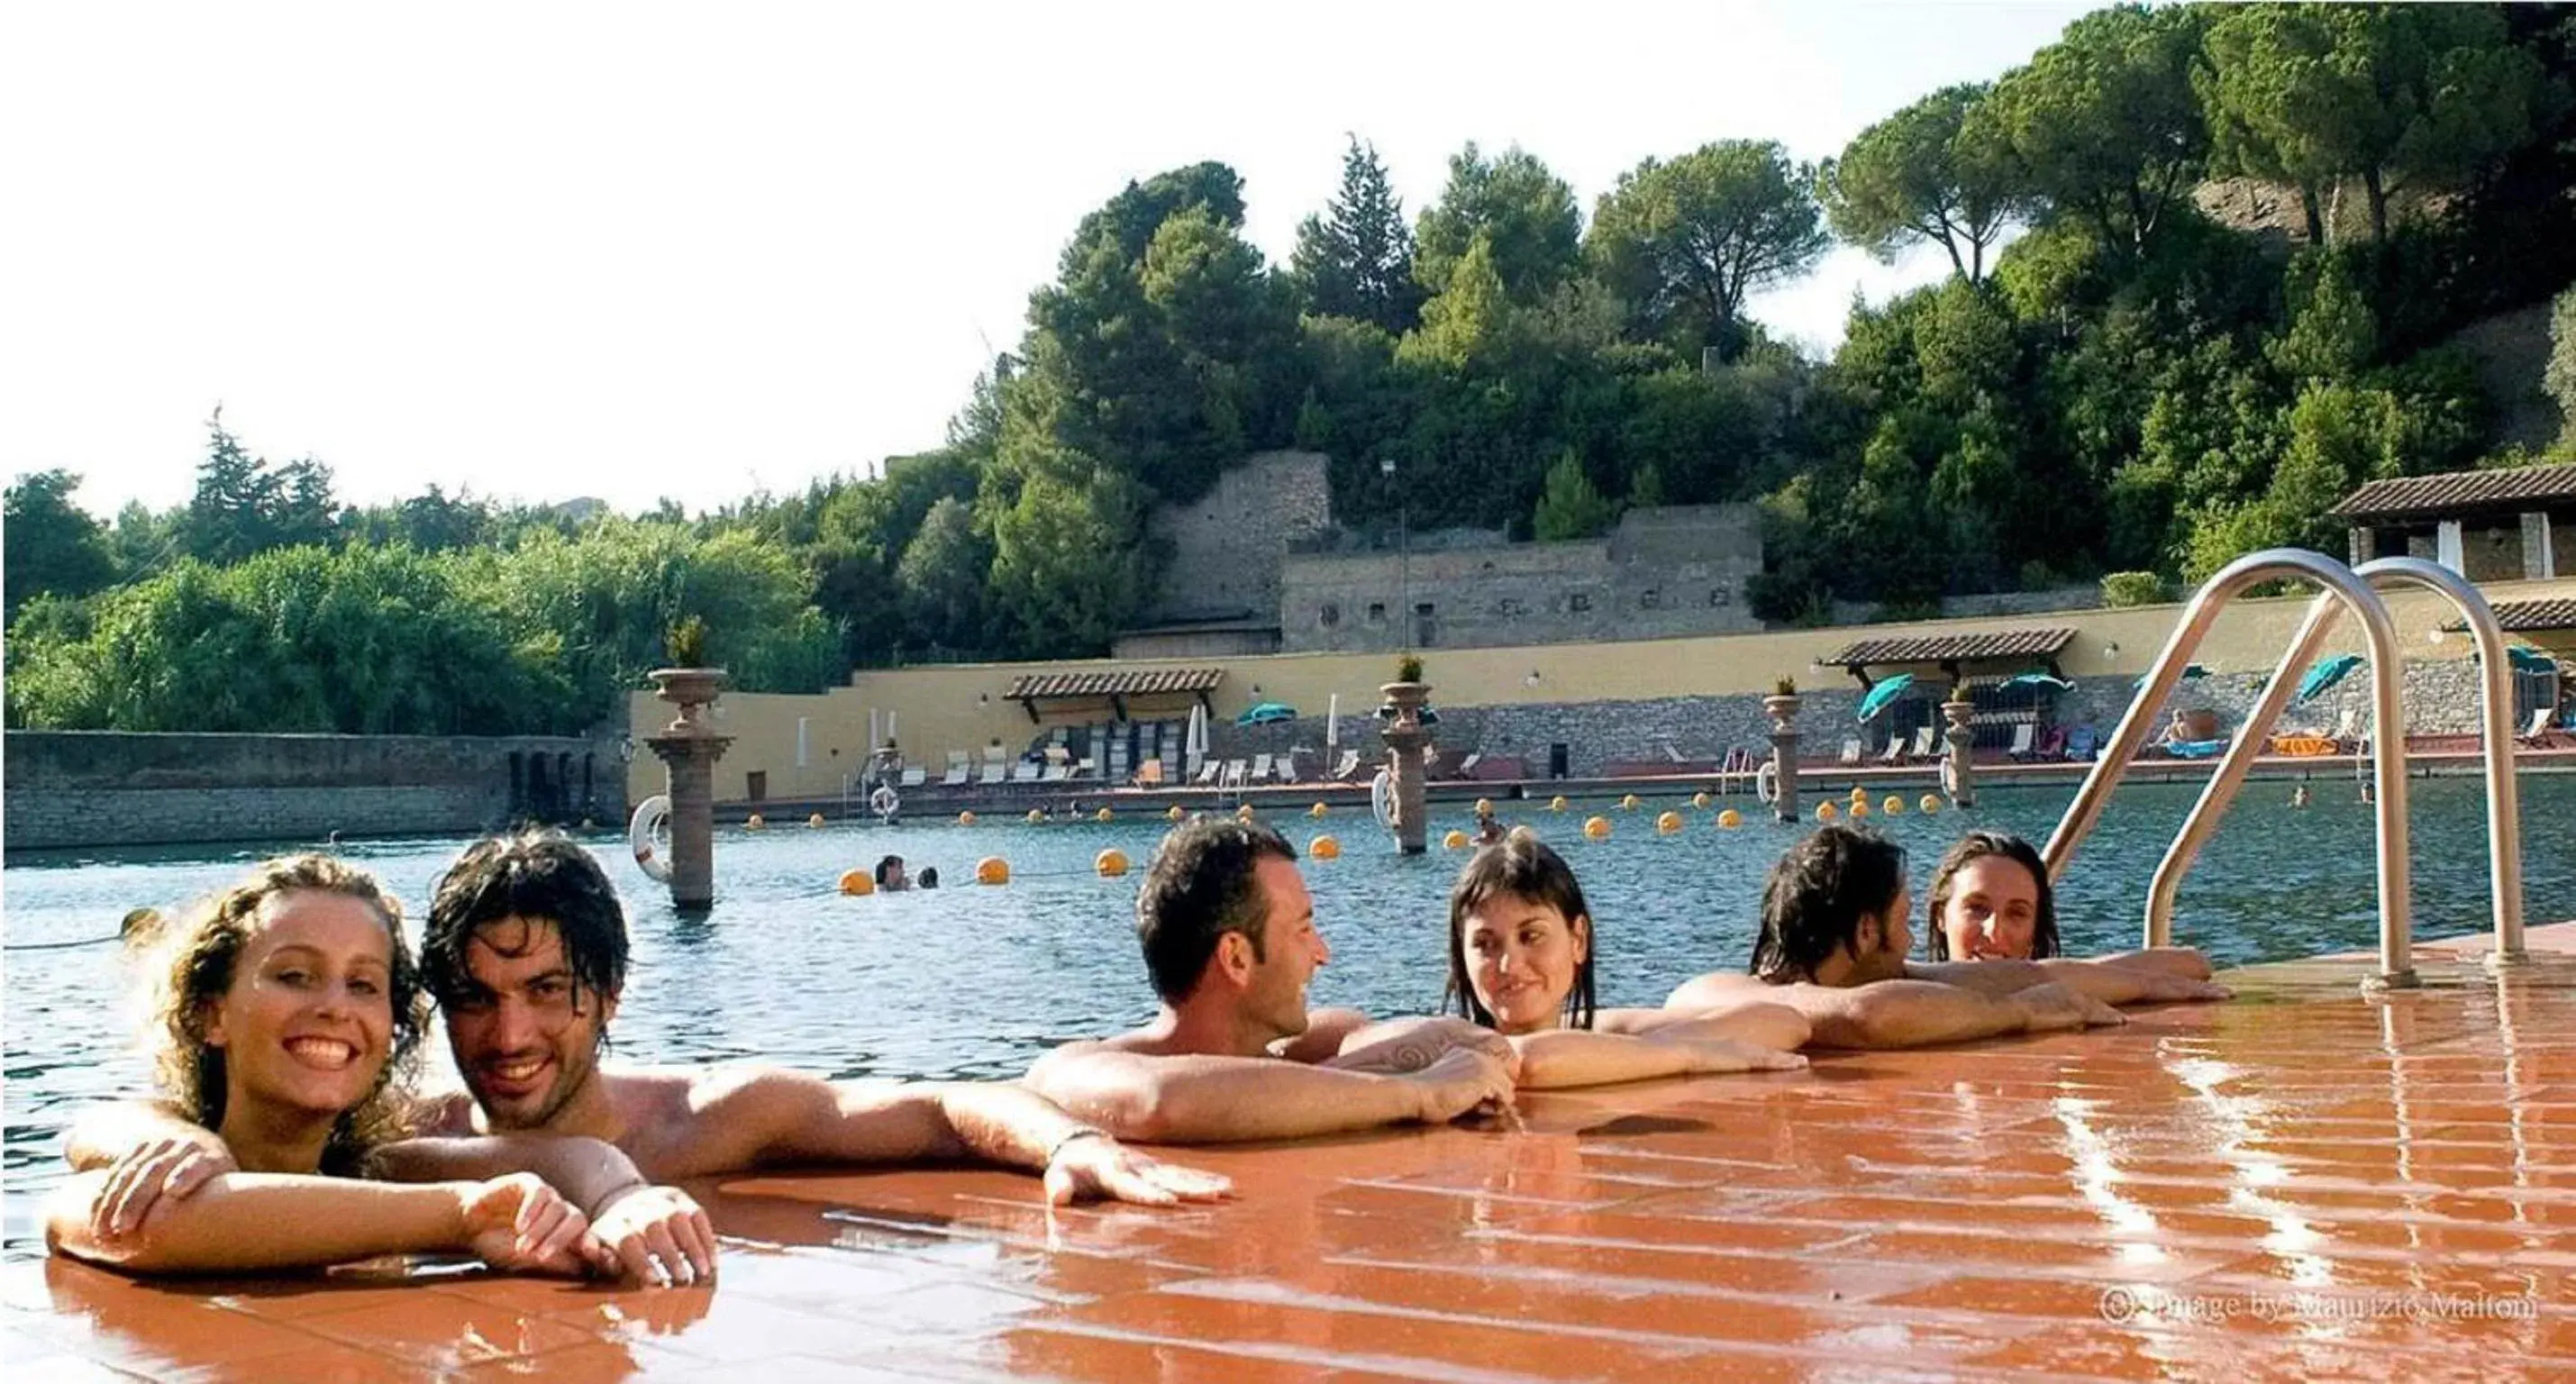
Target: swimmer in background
<point>2299,796</point>
<point>1488,831</point>
<point>1992,905</point>
<point>929,877</point>
<point>890,878</point>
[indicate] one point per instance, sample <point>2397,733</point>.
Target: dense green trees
<point>2110,380</point>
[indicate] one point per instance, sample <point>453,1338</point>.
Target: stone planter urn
<point>692,690</point>
<point>1406,738</point>
<point>1782,709</point>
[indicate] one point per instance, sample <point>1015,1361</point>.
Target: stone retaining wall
<point>107,788</point>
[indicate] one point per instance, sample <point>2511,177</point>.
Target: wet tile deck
<point>2307,1183</point>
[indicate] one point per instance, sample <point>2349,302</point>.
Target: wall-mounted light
<point>1256,689</point>
<point>2109,652</point>
<point>1532,679</point>
<point>983,699</point>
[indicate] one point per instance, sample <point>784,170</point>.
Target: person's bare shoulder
<point>444,1114</point>
<point>1719,987</point>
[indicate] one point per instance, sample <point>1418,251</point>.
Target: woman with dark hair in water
<point>1991,900</point>
<point>1521,963</point>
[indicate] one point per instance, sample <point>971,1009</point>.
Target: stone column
<point>1783,711</point>
<point>1406,738</point>
<point>1956,711</point>
<point>689,748</point>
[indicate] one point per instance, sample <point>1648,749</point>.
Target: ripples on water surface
<point>974,982</point>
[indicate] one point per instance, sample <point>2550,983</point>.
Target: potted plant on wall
<point>1405,696</point>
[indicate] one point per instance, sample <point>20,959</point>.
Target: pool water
<point>970,981</point>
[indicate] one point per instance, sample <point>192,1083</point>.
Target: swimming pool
<point>974,982</point>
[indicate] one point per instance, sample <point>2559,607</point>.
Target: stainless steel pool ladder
<point>2352,590</point>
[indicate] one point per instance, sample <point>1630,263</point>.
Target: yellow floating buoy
<point>857,883</point>
<point>1556,804</point>
<point>1860,807</point>
<point>1893,807</point>
<point>1324,848</point>
<point>814,821</point>
<point>1596,828</point>
<point>992,869</point>
<point>1700,798</point>
<point>1172,813</point>
<point>1628,803</point>
<point>755,822</point>
<point>1484,807</point>
<point>1826,812</point>
<point>1318,811</point>
<point>1668,823</point>
<point>1931,803</point>
<point>965,819</point>
<point>1730,819</point>
<point>1455,840</point>
<point>1103,815</point>
<point>1859,794</point>
<point>1036,816</point>
<point>1110,863</point>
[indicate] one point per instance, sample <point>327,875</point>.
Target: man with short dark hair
<point>1833,947</point>
<point>525,950</point>
<point>1228,932</point>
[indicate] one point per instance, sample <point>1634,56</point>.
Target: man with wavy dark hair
<point>525,950</point>
<point>1228,933</point>
<point>1833,946</point>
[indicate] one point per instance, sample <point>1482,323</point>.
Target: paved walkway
<point>2306,1183</point>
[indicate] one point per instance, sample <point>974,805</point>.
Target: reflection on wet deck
<point>2306,1183</point>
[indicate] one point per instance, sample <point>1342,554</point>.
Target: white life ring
<point>649,832</point>
<point>1382,798</point>
<point>1766,782</point>
<point>885,802</point>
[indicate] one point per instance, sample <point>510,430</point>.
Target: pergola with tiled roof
<point>2529,617</point>
<point>1950,651</point>
<point>1115,688</point>
<point>2457,493</point>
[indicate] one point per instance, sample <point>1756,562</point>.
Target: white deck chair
<point>1923,743</point>
<point>1350,765</point>
<point>1467,766</point>
<point>1024,773</point>
<point>1260,769</point>
<point>1894,753</point>
<point>958,769</point>
<point>2025,738</point>
<point>1851,752</point>
<point>1287,768</point>
<point>1208,770</point>
<point>993,770</point>
<point>1233,775</point>
<point>914,778</point>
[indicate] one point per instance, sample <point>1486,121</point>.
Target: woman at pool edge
<point>288,1021</point>
<point>1521,963</point>
<point>1991,900</point>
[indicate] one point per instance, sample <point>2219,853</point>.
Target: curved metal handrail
<point>2504,821</point>
<point>2396,950</point>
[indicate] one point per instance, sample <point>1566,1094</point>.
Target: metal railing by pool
<point>2346,590</point>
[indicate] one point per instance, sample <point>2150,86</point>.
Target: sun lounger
<point>1350,765</point>
<point>1851,752</point>
<point>2025,740</point>
<point>914,778</point>
<point>1024,773</point>
<point>1923,742</point>
<point>958,769</point>
<point>1467,766</point>
<point>2538,736</point>
<point>1207,774</point>
<point>1233,775</point>
<point>2081,744</point>
<point>1260,769</point>
<point>993,771</point>
<point>1056,773</point>
<point>1895,752</point>
<point>2196,749</point>
<point>1287,768</point>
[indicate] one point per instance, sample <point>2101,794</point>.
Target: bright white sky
<point>640,250</point>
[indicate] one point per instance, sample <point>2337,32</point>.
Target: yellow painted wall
<point>961,706</point>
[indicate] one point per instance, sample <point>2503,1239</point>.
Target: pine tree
<point>1356,260</point>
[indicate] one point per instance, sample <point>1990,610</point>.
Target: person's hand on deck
<point>520,1224</point>
<point>1461,1082</point>
<point>1096,1165</point>
<point>658,1235</point>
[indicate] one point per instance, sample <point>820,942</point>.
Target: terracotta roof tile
<point>1133,683</point>
<point>1943,648</point>
<point>2458,492</point>
<point>2526,616</point>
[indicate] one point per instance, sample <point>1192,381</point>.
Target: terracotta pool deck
<point>2305,1183</point>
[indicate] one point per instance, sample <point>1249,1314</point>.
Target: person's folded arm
<point>1758,1023</point>
<point>252,1222</point>
<point>1204,1099</point>
<point>1567,1057</point>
